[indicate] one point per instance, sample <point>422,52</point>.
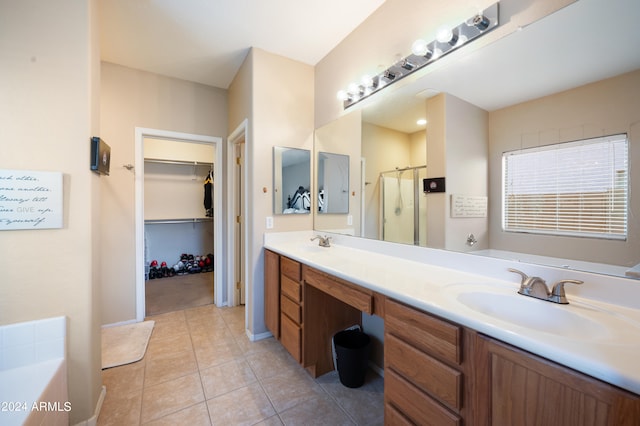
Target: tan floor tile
<point>225,378</point>
<point>218,353</point>
<point>363,404</point>
<point>235,314</point>
<point>169,397</point>
<point>270,363</point>
<point>170,324</point>
<point>121,408</point>
<point>271,421</point>
<point>248,347</point>
<point>160,347</point>
<point>173,365</point>
<point>202,335</point>
<point>320,411</point>
<point>202,312</point>
<point>244,406</point>
<point>124,378</point>
<point>196,415</point>
<point>290,388</point>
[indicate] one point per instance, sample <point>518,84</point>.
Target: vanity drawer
<point>435,378</point>
<point>291,268</point>
<point>291,337</point>
<point>427,333</point>
<point>407,401</point>
<point>339,289</point>
<point>291,309</point>
<point>291,288</point>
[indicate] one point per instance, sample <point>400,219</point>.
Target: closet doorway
<point>178,221</point>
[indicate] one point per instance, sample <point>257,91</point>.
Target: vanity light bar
<point>423,53</point>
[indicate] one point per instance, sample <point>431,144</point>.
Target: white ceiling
<point>587,41</point>
<point>206,40</point>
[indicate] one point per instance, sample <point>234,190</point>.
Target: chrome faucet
<point>324,241</point>
<point>537,287</point>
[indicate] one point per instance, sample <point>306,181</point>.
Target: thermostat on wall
<point>433,185</point>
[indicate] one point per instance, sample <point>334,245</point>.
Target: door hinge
<point>239,161</point>
<point>238,285</point>
<point>238,219</point>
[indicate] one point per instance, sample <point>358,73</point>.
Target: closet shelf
<point>169,221</point>
<point>178,162</point>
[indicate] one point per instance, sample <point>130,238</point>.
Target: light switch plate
<point>349,220</point>
<point>269,222</point>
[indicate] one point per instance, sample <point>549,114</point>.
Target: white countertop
<point>596,337</point>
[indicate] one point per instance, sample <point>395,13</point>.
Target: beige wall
<point>457,140</point>
<point>130,99</point>
<point>387,35</point>
<point>607,107</point>
<point>383,149</point>
<point>467,170</point>
<point>275,94</point>
<point>342,136</point>
<point>48,112</point>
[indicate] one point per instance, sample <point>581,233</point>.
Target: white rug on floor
<point>124,344</point>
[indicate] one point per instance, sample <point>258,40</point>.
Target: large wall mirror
<point>291,180</point>
<point>333,183</point>
<point>524,90</point>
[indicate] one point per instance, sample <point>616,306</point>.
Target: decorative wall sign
<point>30,199</point>
<point>468,206</point>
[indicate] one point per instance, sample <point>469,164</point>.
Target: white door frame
<point>140,134</point>
<point>239,134</point>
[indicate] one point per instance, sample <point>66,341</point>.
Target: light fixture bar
<point>423,54</point>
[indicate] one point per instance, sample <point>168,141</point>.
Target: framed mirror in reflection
<point>291,181</point>
<point>333,183</point>
<point>514,94</point>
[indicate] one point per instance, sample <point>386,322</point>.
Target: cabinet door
<point>519,388</point>
<point>272,292</point>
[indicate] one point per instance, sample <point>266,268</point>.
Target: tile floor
<point>201,369</point>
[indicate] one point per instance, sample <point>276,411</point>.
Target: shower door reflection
<point>403,206</point>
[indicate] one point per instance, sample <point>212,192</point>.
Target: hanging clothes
<point>208,194</point>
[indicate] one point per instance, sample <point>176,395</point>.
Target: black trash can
<point>352,356</point>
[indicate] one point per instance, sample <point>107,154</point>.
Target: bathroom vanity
<point>444,365</point>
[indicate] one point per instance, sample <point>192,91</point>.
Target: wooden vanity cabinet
<point>436,372</point>
<point>283,298</point>
<point>426,369</point>
<point>291,300</point>
<point>272,292</point>
<point>518,388</point>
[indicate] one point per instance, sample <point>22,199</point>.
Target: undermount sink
<point>531,313</point>
<point>574,321</point>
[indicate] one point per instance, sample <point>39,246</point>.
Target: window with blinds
<point>576,188</point>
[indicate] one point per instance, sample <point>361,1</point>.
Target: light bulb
<point>444,35</point>
<point>354,89</point>
<point>419,47</point>
<point>342,95</point>
<point>421,122</point>
<point>367,81</point>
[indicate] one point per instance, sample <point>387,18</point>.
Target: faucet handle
<point>522,274</point>
<point>557,292</point>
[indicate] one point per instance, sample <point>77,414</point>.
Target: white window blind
<point>576,188</point>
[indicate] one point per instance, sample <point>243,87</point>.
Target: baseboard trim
<point>256,337</point>
<point>93,421</point>
<point>375,367</point>
<point>116,324</point>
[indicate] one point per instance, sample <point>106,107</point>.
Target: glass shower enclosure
<point>403,216</point>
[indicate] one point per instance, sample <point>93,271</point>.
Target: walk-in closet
<point>178,224</point>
